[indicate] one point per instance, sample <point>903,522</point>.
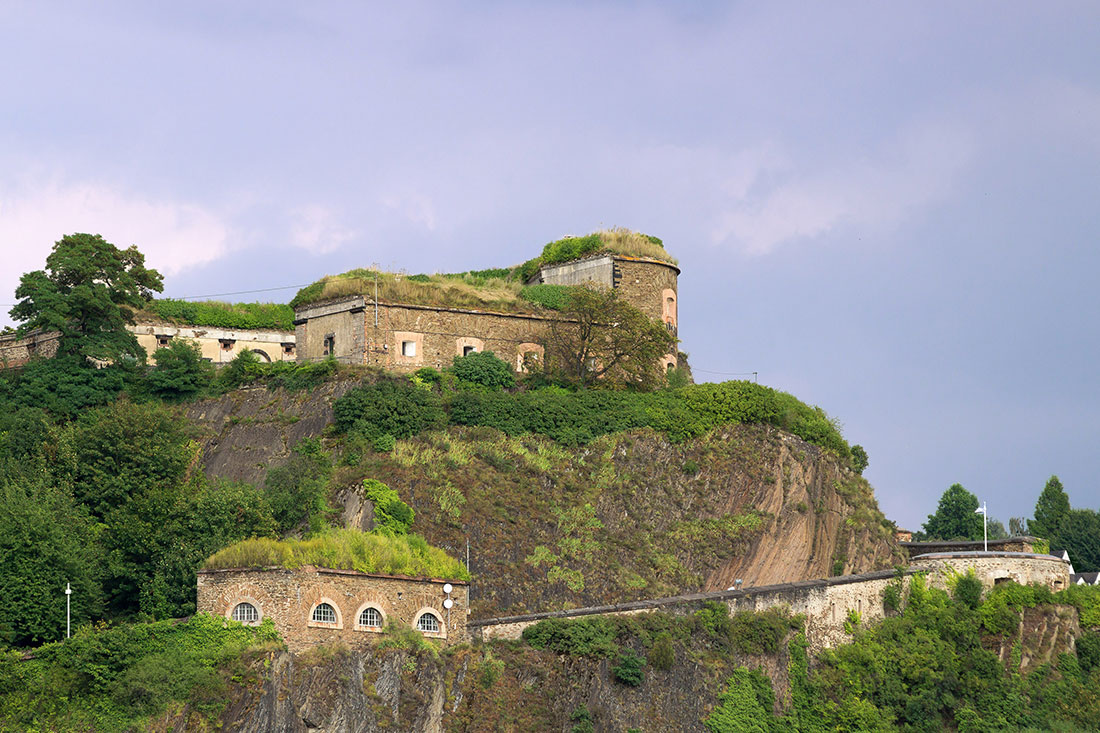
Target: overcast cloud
<point>889,210</point>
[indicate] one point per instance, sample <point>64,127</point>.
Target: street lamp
<point>985,525</point>
<point>68,614</point>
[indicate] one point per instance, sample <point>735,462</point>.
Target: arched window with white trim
<point>246,613</point>
<point>323,613</point>
<point>428,623</point>
<point>370,618</point>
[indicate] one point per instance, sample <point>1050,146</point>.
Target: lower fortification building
<point>310,606</point>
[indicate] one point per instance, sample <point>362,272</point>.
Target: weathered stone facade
<point>1009,544</point>
<point>15,352</point>
<point>290,597</point>
<point>218,345</point>
<point>826,603</point>
<point>406,337</point>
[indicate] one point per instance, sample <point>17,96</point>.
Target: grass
<point>500,289</point>
<point>344,549</point>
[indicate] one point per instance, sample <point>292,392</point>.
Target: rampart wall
<point>219,345</point>
<point>826,603</point>
<point>15,352</point>
<point>288,598</point>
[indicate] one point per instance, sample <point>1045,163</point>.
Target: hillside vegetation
<point>275,316</point>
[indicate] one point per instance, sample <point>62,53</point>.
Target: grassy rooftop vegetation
<point>344,549</point>
<point>498,289</point>
<point>276,316</point>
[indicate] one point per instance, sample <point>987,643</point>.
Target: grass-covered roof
<point>344,549</point>
<point>500,289</point>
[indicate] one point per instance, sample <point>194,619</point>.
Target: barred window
<point>428,622</point>
<point>246,613</point>
<point>370,617</point>
<point>324,614</point>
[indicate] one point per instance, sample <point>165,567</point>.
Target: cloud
<point>173,236</point>
<point>316,229</point>
<point>773,199</point>
<point>415,207</point>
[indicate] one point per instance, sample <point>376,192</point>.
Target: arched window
<point>371,618</point>
<point>428,623</point>
<point>246,613</point>
<point>323,613</point>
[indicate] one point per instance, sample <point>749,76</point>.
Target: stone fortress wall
<point>288,598</point>
<point>827,602</point>
<point>405,337</point>
<point>217,345</point>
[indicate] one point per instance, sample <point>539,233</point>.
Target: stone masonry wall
<point>288,597</point>
<point>15,352</point>
<point>341,320</point>
<point>826,603</point>
<point>218,345</point>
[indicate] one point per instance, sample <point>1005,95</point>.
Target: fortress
<point>401,336</point>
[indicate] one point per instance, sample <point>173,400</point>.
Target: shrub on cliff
<point>389,407</point>
<point>483,368</point>
<point>181,372</point>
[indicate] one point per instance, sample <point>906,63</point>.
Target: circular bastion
<point>992,568</point>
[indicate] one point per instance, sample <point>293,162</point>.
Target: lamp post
<point>68,614</point>
<point>447,602</point>
<point>985,525</point>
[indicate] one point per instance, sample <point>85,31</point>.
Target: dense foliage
<point>346,549</point>
<point>955,517</point>
<point>572,418</point>
<point>88,292</point>
<point>276,316</point>
<point>110,679</point>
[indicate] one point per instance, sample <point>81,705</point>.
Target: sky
<point>889,210</point>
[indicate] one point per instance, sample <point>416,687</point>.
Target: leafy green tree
<point>955,516</point>
<point>859,459</point>
<point>66,386</point>
<point>88,292</point>
<point>1017,526</point>
<point>181,372</point>
<point>297,491</point>
<point>1050,510</point>
<point>603,340</point>
<point>46,541</point>
<point>390,407</point>
<point>1079,535</point>
<point>484,368</point>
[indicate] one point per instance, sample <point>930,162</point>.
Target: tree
<point>1079,535</point>
<point>859,459</point>
<point>1050,510</point>
<point>88,291</point>
<point>1017,526</point>
<point>602,339</point>
<point>181,371</point>
<point>955,516</point>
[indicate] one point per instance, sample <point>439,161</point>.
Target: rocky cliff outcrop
<point>628,516</point>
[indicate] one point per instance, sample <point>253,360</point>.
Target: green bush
<point>859,459</point>
<point>745,706</point>
<point>629,669</point>
<point>483,368</point>
<point>663,654</point>
<point>968,590</point>
<point>594,636</point>
<point>760,632</point>
<point>389,511</point>
<point>582,720</point>
<point>489,670</point>
<point>181,372</point>
<point>554,297</point>
<point>297,491</point>
<point>389,407</point>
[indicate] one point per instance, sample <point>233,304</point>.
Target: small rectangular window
<point>330,345</point>
<point>467,350</point>
<point>408,348</point>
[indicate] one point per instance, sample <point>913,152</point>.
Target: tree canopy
<point>602,337</point>
<point>1050,510</point>
<point>88,292</point>
<point>955,516</point>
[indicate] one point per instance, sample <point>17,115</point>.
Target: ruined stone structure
<point>826,603</point>
<point>405,337</point>
<point>311,606</point>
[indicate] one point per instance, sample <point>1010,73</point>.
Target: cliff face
<point>503,687</point>
<point>626,517</point>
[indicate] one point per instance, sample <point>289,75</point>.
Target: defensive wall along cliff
<point>826,603</point>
